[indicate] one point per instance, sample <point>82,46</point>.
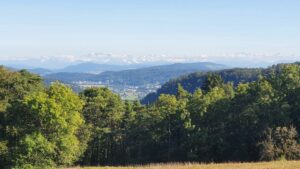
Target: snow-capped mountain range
<point>240,59</point>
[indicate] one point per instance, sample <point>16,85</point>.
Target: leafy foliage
<point>205,80</point>
<point>103,111</point>
<point>280,143</point>
<point>41,124</point>
<point>218,120</point>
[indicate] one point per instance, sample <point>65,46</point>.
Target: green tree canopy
<point>44,127</point>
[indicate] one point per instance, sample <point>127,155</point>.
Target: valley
<point>131,84</point>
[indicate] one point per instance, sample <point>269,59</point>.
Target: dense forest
<point>220,120</point>
<point>193,81</point>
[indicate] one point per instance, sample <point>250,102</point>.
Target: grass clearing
<point>258,165</point>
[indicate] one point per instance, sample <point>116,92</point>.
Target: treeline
<point>44,127</point>
<point>193,81</point>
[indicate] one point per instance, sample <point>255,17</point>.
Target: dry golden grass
<point>260,165</point>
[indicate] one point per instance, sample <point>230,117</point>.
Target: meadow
<point>258,165</point>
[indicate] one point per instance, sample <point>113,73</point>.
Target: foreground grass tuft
<point>260,165</point>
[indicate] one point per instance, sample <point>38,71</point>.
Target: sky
<point>168,29</point>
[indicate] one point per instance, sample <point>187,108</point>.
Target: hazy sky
<point>185,28</point>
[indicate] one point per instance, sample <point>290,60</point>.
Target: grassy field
<point>261,165</point>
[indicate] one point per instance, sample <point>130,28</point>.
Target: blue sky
<point>175,28</point>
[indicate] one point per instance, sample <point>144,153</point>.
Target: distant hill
<point>156,74</point>
<point>68,77</point>
<point>40,71</point>
<point>86,67</point>
<point>140,76</point>
<point>196,80</point>
<point>95,68</point>
<point>193,81</point>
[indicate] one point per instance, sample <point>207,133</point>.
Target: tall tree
<point>13,87</point>
<point>103,110</point>
<point>44,127</point>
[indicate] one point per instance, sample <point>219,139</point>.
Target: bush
<point>279,144</point>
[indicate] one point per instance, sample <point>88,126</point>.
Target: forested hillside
<point>196,80</point>
<point>48,127</point>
